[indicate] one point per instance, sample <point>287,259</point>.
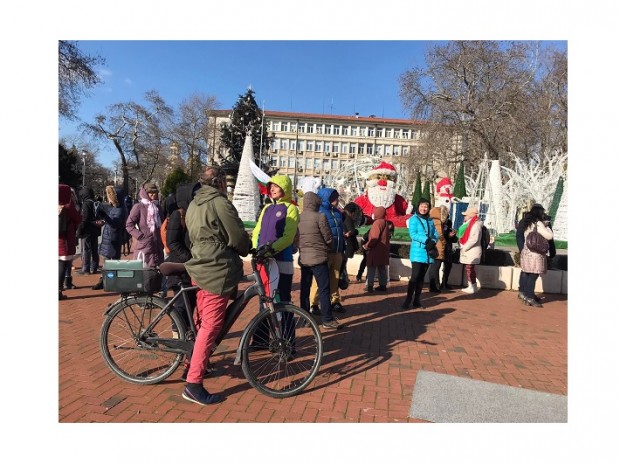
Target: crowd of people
<point>202,229</point>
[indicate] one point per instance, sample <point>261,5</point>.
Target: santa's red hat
<point>384,168</point>
<point>442,183</point>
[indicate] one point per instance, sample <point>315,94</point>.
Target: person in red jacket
<point>68,220</point>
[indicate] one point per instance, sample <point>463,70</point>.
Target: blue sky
<point>330,77</point>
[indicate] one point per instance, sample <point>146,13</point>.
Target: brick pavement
<point>368,371</point>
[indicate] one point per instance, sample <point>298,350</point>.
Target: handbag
<point>343,281</point>
<point>536,242</point>
<point>430,245</point>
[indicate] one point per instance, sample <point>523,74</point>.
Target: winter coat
<point>146,242</point>
<point>535,262</point>
<point>88,228</point>
<point>440,217</point>
<point>218,238</point>
<point>334,218</point>
<point>315,235</point>
<point>420,229</point>
<point>278,221</point>
<point>378,245</point>
<point>351,244</point>
<point>471,251</point>
<point>67,240</point>
<point>113,230</point>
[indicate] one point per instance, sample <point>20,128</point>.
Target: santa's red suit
<point>380,192</point>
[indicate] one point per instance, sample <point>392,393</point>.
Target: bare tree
<point>140,134</point>
<point>495,97</point>
<point>76,75</point>
<point>191,130</point>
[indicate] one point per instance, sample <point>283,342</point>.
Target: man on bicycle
<point>218,238</point>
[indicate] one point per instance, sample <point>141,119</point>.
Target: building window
<point>405,151</point>
<point>369,148</point>
<point>379,150</point>
<point>388,133</point>
<point>380,132</point>
<point>396,150</point>
<point>334,164</point>
<point>328,147</point>
<point>388,150</point>
<point>354,131</point>
<point>309,163</point>
<point>319,147</point>
<point>406,133</point>
<point>317,164</point>
<point>371,132</point>
<point>345,148</point>
<point>328,129</point>
<point>353,148</point>
<point>310,145</point>
<point>291,162</point>
<point>319,128</point>
<point>362,132</point>
<point>285,127</point>
<point>336,130</point>
<point>302,145</point>
<point>293,127</point>
<point>310,128</point>
<point>302,127</point>
<point>282,162</point>
<point>345,130</point>
<point>396,133</point>
<point>292,145</point>
<point>336,147</point>
<point>325,165</point>
<point>284,144</point>
<point>360,148</point>
<point>276,126</point>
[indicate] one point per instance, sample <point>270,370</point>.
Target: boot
<point>469,289</point>
<point>475,287</point>
<point>69,283</point>
<point>433,286</point>
<point>407,303</point>
<point>98,285</point>
<point>61,296</point>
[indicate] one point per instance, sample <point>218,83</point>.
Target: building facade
<point>321,145</point>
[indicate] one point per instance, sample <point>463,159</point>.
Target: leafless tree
<point>495,98</point>
<point>191,131</point>
<point>76,75</point>
<point>140,133</point>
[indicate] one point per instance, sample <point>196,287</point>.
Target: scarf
<point>152,218</point>
<point>465,230</point>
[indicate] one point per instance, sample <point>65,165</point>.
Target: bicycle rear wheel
<point>133,354</point>
<point>282,366</point>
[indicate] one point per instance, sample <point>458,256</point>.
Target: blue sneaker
<point>196,393</point>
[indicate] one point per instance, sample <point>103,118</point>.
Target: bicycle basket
<point>130,277</point>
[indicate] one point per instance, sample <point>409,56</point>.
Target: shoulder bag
<point>536,242</point>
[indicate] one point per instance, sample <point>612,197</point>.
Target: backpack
<point>485,238</point>
<point>162,231</point>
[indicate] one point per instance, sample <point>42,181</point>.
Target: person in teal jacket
<point>423,237</point>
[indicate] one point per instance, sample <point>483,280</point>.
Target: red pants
<point>470,272</point>
<point>210,312</point>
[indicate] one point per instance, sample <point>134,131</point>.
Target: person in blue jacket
<point>423,238</point>
<point>329,207</point>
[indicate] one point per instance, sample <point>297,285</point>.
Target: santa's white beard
<point>382,196</point>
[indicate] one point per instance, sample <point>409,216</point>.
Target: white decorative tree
<point>246,197</point>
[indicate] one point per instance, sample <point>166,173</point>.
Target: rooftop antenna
<point>331,107</point>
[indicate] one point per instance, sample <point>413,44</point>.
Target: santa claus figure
<point>380,191</point>
<point>444,195</point>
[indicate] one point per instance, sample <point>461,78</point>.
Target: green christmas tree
<point>426,191</point>
<point>557,196</point>
<point>417,191</point>
<point>246,116</point>
<point>459,186</point>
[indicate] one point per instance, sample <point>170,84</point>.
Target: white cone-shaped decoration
<point>496,208</point>
<point>246,197</point>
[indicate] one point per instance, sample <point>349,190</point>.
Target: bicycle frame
<point>233,310</point>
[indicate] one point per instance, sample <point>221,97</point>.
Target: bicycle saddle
<point>169,269</point>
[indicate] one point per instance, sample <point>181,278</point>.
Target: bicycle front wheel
<point>282,352</point>
<point>135,354</point>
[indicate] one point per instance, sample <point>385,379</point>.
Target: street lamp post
<point>83,168</point>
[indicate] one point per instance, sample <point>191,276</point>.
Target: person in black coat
<point>89,231</point>
<point>351,244</point>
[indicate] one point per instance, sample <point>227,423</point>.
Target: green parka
<point>218,238</point>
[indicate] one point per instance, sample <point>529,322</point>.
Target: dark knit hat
<point>151,188</point>
<point>334,196</point>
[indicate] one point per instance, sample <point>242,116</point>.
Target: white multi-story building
<point>319,145</point>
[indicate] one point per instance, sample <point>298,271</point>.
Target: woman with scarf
<point>423,239</point>
<point>469,234</point>
<point>144,223</point>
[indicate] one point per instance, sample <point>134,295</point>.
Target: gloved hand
<point>429,244</point>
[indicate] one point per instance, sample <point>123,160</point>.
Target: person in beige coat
<point>470,234</point>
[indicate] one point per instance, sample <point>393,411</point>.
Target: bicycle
<point>143,339</point>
